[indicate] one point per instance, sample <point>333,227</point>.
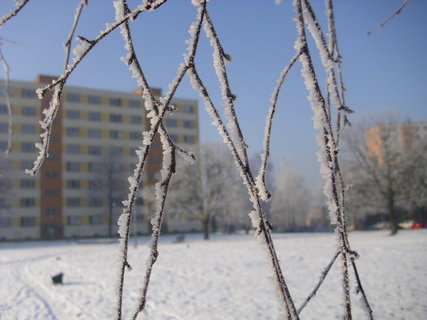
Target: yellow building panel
<point>84,149</point>
<point>83,115</point>
<point>16,164</point>
<point>84,184</point>
<point>104,100</point>
<point>84,202</point>
<point>85,220</point>
<point>83,132</point>
<point>83,98</point>
<point>16,92</point>
<point>104,219</point>
<point>125,134</point>
<point>104,134</point>
<point>125,102</point>
<point>16,222</point>
<point>104,117</point>
<point>16,128</point>
<point>38,221</point>
<point>84,166</point>
<point>125,118</point>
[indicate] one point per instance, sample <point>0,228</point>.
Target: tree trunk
<point>205,227</point>
<point>392,214</point>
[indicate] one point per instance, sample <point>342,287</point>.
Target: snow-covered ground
<point>227,277</point>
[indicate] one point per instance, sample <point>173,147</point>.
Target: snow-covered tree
<point>207,189</point>
<point>290,200</point>
<point>387,166</point>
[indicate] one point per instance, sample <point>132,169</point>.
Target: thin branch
<point>156,112</point>
<point>382,24</point>
<point>260,179</point>
<point>80,51</point>
<point>67,43</point>
<point>365,301</point>
<point>8,104</point>
<point>319,283</point>
<point>19,5</point>
<point>329,150</point>
<point>258,218</point>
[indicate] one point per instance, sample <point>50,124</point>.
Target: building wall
<point>64,199</point>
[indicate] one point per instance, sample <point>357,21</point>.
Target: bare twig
<point>260,179</point>
<point>67,43</point>
<point>382,24</point>
<point>19,5</point>
<point>365,301</point>
<point>319,283</point>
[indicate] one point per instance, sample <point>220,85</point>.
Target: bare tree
<point>387,167</point>
<point>204,190</point>
<point>290,201</point>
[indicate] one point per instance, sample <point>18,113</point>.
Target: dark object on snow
<point>180,238</point>
<point>57,279</point>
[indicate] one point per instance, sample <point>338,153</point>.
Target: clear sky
<point>384,71</point>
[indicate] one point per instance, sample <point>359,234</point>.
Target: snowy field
<point>225,278</point>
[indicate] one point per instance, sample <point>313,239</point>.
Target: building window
<point>73,202</point>
<point>73,184</point>
<point>115,117</point>
<point>94,100</point>
<point>134,103</point>
<point>94,150</point>
<point>51,156</point>
<point>51,192</point>
<point>3,145</point>
<point>3,109</point>
<point>135,119</point>
<point>5,222</point>
<point>189,139</point>
<point>95,184</point>
<point>28,111</point>
<point>95,220</point>
<point>139,201</point>
<point>27,202</point>
<point>95,167</point>
<point>26,164</point>
<point>174,137</point>
<point>134,135</point>
<point>74,220</point>
<point>4,127</point>
<point>73,132</point>
<point>187,108</point>
<point>52,173</point>
<point>27,183</point>
<point>73,166</point>
<point>27,147</point>
<point>95,202</point>
<point>94,133</point>
<point>28,93</point>
<point>73,114</point>
<point>73,97</point>
<point>116,151</point>
<point>154,160</point>
<point>171,123</point>
<point>116,102</point>
<point>51,211</point>
<point>28,221</point>
<point>94,116</point>
<point>73,148</point>
<point>188,124</point>
<point>115,134</point>
<point>28,128</point>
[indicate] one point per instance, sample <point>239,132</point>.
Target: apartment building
<point>396,137</point>
<point>79,189</point>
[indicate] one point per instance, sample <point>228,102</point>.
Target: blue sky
<point>382,72</point>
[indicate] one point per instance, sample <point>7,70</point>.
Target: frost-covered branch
<point>259,220</point>
<point>67,43</point>
<point>364,298</point>
<point>155,111</point>
<point>80,51</point>
<point>260,179</point>
<point>382,24</point>
<point>19,5</point>
<point>327,155</point>
<point>319,283</point>
<point>220,59</point>
<point>7,97</point>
